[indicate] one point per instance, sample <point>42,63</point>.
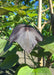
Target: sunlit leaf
<point>11,8</point>
<point>29,71</point>
<point>21,12</point>
<point>2,44</point>
<point>24,7</point>
<point>45,18</point>
<point>43,71</point>
<point>32,14</point>
<point>32,10</point>
<point>25,71</point>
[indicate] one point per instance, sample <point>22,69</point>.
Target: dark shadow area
<point>39,52</point>
<point>47,40</point>
<point>8,60</point>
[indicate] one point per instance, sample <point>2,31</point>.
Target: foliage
<point>48,44</point>
<point>2,44</point>
<point>9,52</point>
<point>29,71</point>
<point>53,65</point>
<point>12,13</point>
<point>9,61</point>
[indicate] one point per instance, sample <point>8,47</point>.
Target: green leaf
<point>48,44</point>
<point>5,47</point>
<point>26,70</point>
<point>45,18</point>
<point>53,65</point>
<point>53,2</point>
<point>10,60</point>
<point>3,11</point>
<point>43,71</point>
<point>24,7</point>
<point>32,14</point>
<point>11,49</point>
<point>32,10</point>
<point>21,12</point>
<point>2,44</point>
<point>52,58</point>
<point>11,8</point>
<point>17,18</point>
<point>11,17</point>
<point>8,24</point>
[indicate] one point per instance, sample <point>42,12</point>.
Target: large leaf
<point>25,71</point>
<point>11,49</point>
<point>5,47</point>
<point>48,44</point>
<point>43,71</point>
<point>4,10</point>
<point>11,59</point>
<point>38,71</point>
<point>15,8</point>
<point>2,44</point>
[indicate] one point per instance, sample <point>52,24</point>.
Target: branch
<point>36,26</point>
<point>46,9</point>
<point>45,24</point>
<point>51,6</point>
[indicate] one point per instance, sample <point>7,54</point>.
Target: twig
<point>46,9</point>
<point>35,26</point>
<point>45,24</point>
<point>51,6</point>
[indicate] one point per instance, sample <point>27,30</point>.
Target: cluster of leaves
<point>39,71</point>
<point>13,13</point>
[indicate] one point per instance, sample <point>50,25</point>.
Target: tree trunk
<point>48,62</point>
<point>52,15</point>
<point>40,60</point>
<point>39,15</point>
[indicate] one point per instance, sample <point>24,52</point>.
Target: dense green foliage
<point>12,13</point>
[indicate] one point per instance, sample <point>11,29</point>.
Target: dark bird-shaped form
<point>26,36</point>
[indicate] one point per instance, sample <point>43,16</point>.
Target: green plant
<point>26,70</point>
